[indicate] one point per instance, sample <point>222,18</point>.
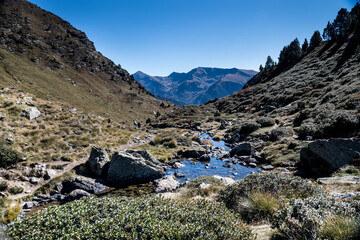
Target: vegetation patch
<point>8,156</point>
<point>137,218</point>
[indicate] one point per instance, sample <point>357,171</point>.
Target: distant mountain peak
<point>196,86</point>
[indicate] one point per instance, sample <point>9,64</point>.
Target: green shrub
<point>9,210</point>
<point>170,144</point>
<point>341,228</point>
<point>136,218</point>
<point>275,183</point>
<point>3,186</point>
<point>265,121</point>
<point>258,206</point>
<point>8,156</point>
<point>313,218</point>
<point>16,190</point>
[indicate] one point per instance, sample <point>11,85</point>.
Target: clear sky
<point>162,36</point>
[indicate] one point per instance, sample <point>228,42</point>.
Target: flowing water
<point>193,169</point>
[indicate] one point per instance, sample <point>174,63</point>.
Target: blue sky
<point>162,36</point>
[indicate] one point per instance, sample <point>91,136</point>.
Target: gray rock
<point>166,184</point>
<point>132,167</point>
<point>179,175</point>
<point>205,158</point>
<point>253,165</point>
<point>323,157</point>
<point>9,140</point>
<point>98,162</point>
<point>1,117</point>
<point>344,195</point>
<point>178,165</point>
<point>243,149</point>
<point>192,153</point>
<point>76,194</point>
<point>225,180</point>
<point>28,205</point>
<point>30,113</point>
<point>267,167</point>
<point>86,184</point>
<point>34,180</point>
<point>344,180</point>
<point>50,173</point>
<point>204,185</point>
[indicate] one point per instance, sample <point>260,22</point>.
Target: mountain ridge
<point>196,86</point>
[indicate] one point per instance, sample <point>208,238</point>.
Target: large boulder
<point>30,113</point>
<point>98,162</point>
<point>323,157</point>
<point>243,149</point>
<point>133,167</point>
<point>167,184</point>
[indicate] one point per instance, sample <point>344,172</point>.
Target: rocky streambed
<point>144,174</point>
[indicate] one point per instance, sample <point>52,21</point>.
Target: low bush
<point>3,186</point>
<point>261,193</point>
<point>317,218</point>
<point>8,156</point>
<point>265,121</point>
<point>136,218</point>
<point>9,210</point>
<point>16,190</point>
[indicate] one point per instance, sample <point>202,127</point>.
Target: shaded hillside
<point>197,86</point>
<point>45,55</point>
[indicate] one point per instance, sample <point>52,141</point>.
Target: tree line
<point>343,25</point>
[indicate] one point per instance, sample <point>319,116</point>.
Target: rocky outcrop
<point>323,157</point>
<point>133,167</point>
<point>98,162</point>
<point>243,149</point>
<point>167,184</point>
<point>341,180</point>
<point>30,113</point>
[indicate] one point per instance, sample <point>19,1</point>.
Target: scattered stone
<point>228,165</point>
<point>179,175</point>
<point>28,205</point>
<point>243,149</point>
<point>323,157</point>
<point>267,167</point>
<point>344,195</point>
<point>9,140</point>
<point>204,185</point>
<point>1,117</point>
<point>253,165</point>
<point>30,113</point>
<point>34,180</point>
<point>178,165</point>
<point>98,162</point>
<point>76,194</point>
<point>225,180</point>
<point>72,110</point>
<point>343,180</point>
<point>50,173</point>
<point>132,167</point>
<point>167,184</point>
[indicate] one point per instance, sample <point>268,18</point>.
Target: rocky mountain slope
<point>43,54</point>
<point>197,86</point>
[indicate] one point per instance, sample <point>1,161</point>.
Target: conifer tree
<point>305,46</point>
<point>315,40</point>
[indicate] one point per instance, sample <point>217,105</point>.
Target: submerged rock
<point>192,153</point>
<point>132,167</point>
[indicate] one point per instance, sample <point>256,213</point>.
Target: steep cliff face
<point>43,54</point>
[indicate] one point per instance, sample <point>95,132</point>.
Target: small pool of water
<point>194,169</point>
